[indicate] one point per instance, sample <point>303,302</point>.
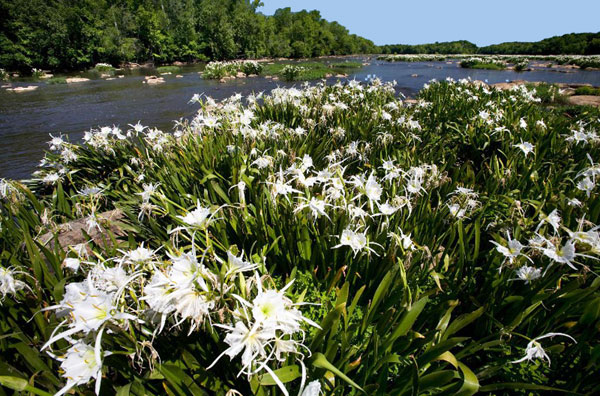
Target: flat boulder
<point>154,81</point>
<point>77,231</point>
<point>72,80</point>
<point>585,100</point>
<point>23,89</point>
<point>509,85</point>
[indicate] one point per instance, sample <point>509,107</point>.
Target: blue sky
<point>482,22</point>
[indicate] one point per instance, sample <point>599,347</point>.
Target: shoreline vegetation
<point>40,35</point>
<point>325,239</point>
<point>52,34</point>
<point>567,44</point>
<point>501,62</point>
<point>285,69</point>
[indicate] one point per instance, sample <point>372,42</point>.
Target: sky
<point>482,22</point>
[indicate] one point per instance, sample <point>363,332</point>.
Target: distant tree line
<point>449,47</point>
<point>568,44</point>
<point>72,34</point>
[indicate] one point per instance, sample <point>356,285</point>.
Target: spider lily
<point>535,351</point>
<point>528,274</point>
<point>525,147</point>
<point>357,241</point>
<point>237,264</point>
<point>316,206</point>
<point>553,219</point>
<point>512,250</point>
<point>199,218</point>
<point>80,364</point>
<point>8,283</point>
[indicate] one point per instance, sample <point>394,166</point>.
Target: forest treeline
<point>568,44</point>
<point>73,34</point>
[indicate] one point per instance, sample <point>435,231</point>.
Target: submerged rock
<point>71,80</point>
<point>23,89</point>
<point>155,80</point>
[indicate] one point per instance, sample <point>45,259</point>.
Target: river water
<point>27,118</point>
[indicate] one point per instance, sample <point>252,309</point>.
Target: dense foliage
<point>75,34</point>
<point>498,62</point>
<point>568,44</point>
<point>450,47</point>
<point>450,247</point>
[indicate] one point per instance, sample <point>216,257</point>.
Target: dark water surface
<point>27,118</point>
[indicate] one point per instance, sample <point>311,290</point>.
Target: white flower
<point>238,264</point>
<point>51,178</point>
<point>523,123</point>
<point>139,255</point>
<point>553,219</point>
<point>535,351</point>
<point>528,274</point>
<point>357,241</point>
<point>586,184</point>
<point>414,185</point>
<point>56,142</point>
<point>193,304</point>
<point>312,389</point>
<point>456,211</point>
<point>561,255</point>
<point>80,364</point>
<point>281,187</point>
<point>512,250</point>
<point>404,240</point>
<point>149,190</point>
<point>263,162</point>
<point>199,218</point>
<point>526,147</point>
<point>316,206</point>
<point>8,283</point>
<point>373,189</point>
<point>252,341</point>
<point>93,311</point>
<point>138,128</point>
<point>109,279</point>
<point>5,188</point>
<point>72,263</point>
<point>157,293</point>
<point>90,191</point>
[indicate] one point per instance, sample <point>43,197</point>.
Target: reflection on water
<point>27,118</point>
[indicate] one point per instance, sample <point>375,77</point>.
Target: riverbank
<point>71,109</point>
<point>275,69</point>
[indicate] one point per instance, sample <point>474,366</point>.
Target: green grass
<point>345,65</point>
<point>56,80</point>
<point>312,70</point>
<point>102,67</point>
<point>587,91</point>
<point>168,69</point>
<point>487,66</point>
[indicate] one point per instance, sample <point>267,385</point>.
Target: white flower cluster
<point>140,290</point>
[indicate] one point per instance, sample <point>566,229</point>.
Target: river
<point>27,118</point>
